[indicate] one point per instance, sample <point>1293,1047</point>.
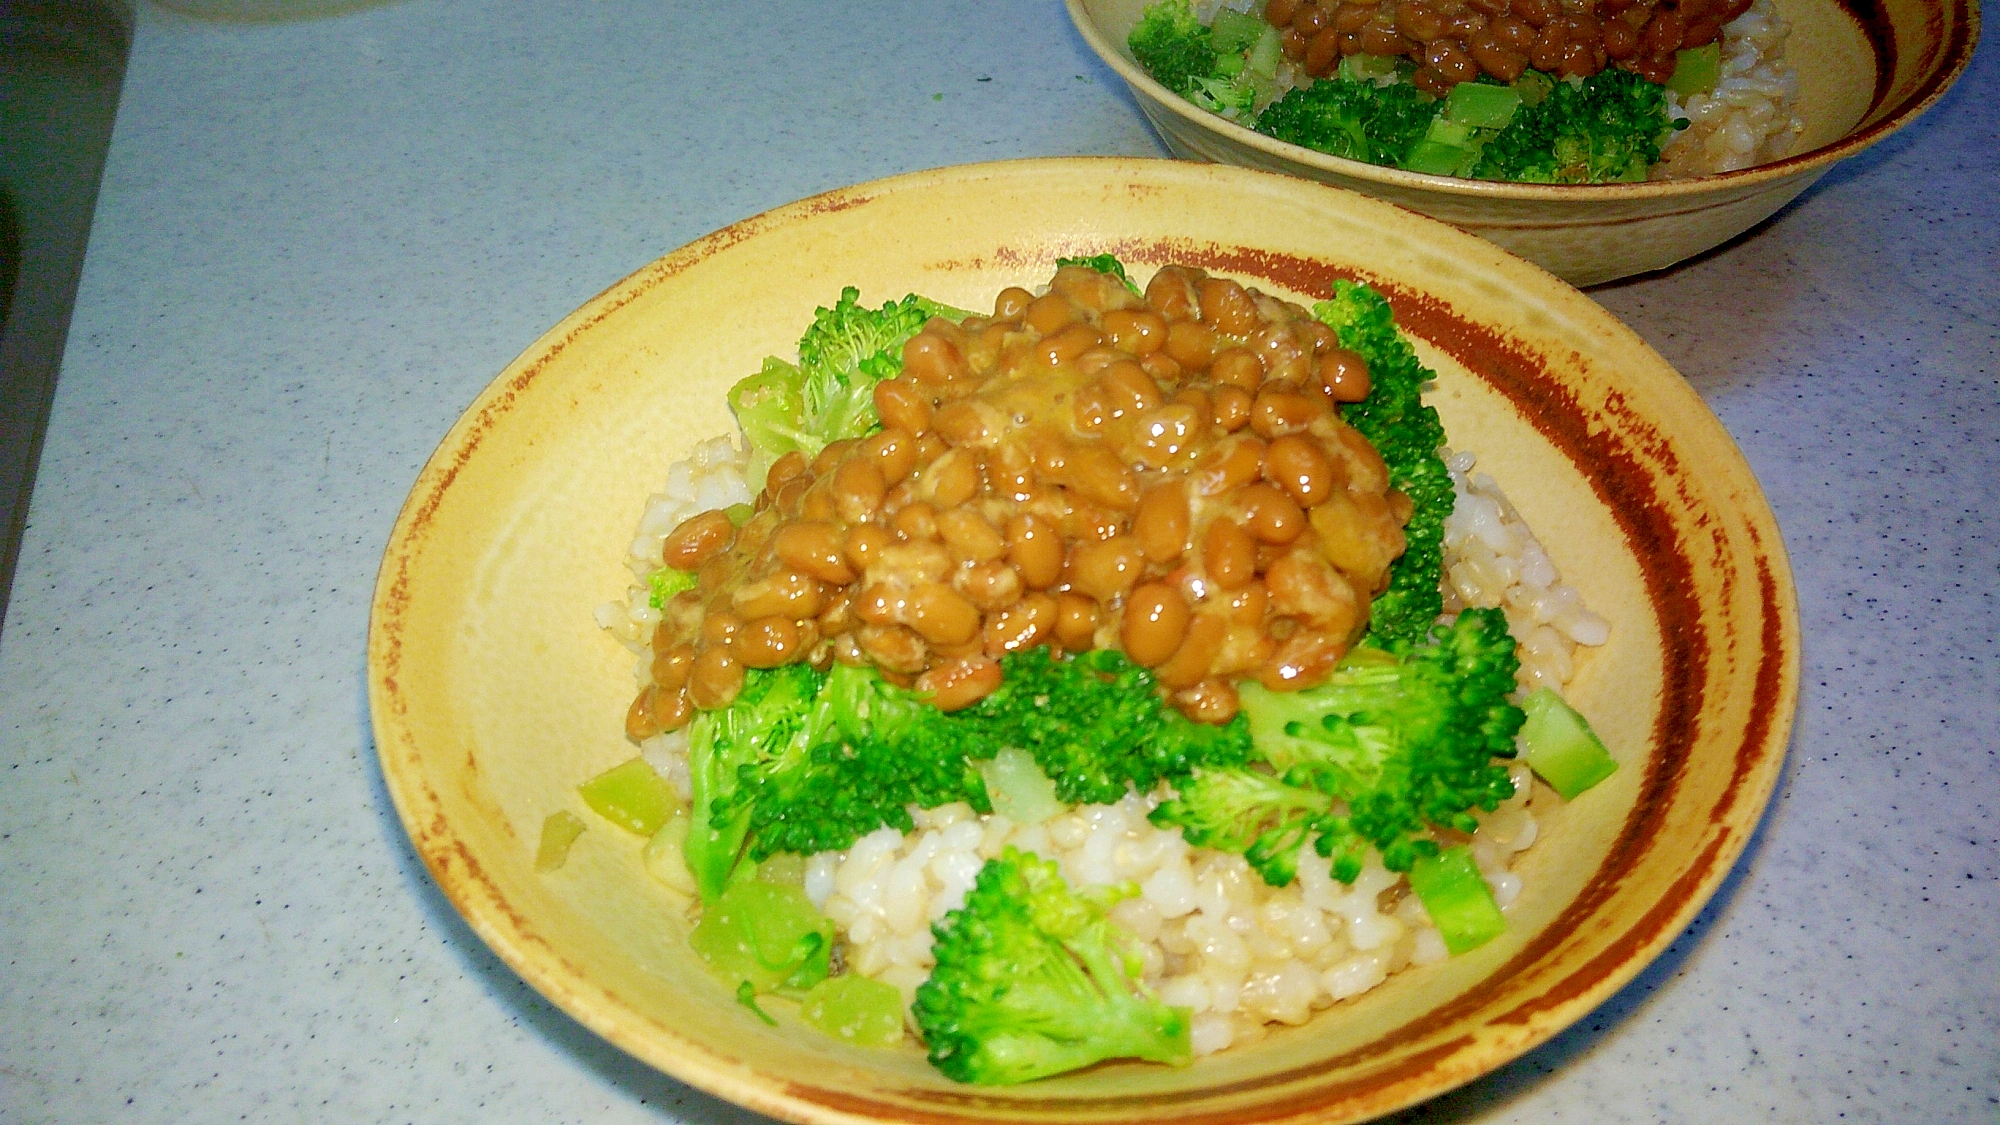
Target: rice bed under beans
<point>1215,938</point>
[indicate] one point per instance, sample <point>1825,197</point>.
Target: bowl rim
<point>1958,49</point>
<point>457,873</point>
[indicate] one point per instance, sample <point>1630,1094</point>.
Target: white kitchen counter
<point>315,242</point>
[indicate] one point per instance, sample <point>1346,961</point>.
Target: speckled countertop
<point>317,241</point>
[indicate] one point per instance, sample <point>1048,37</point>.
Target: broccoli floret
<point>1408,434</point>
<point>1034,979</point>
<point>1407,741</point>
<point>1229,69</point>
<point>885,750</point>
<point>1604,129</point>
<point>849,349</point>
<point>804,762</point>
<point>1357,120</point>
<point>1247,811</point>
<point>1097,725</point>
<point>771,724</point>
<point>1173,45</point>
<point>830,395</point>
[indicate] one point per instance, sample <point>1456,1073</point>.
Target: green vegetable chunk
<point>1696,70</point>
<point>559,831</point>
<point>856,1009</point>
<point>1560,746</point>
<point>1482,105</point>
<point>1457,898</point>
<point>1407,742</point>
<point>667,582</point>
<point>1173,45</point>
<point>1604,129</point>
<point>1021,792</point>
<point>1408,434</point>
<point>1034,979</point>
<point>767,937</point>
<point>631,796</point>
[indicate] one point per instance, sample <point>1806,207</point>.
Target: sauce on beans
<point>1086,468</point>
<point>1454,41</point>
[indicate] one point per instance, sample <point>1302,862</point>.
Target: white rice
<point>1215,937</point>
<point>1747,119</point>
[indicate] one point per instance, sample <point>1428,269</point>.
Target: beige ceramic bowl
<point>494,693</point>
<point>1866,68</point>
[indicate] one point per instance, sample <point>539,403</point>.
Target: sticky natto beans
<point>1084,467</point>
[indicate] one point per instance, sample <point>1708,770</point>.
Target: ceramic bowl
<point>1866,68</point>
<point>494,693</point>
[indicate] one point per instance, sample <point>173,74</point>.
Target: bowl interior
<point>494,693</point>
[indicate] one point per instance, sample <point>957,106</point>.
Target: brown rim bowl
<point>1866,68</point>
<point>494,693</point>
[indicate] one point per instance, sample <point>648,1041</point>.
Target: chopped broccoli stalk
<point>1173,46</point>
<point>1103,263</point>
<point>559,831</point>
<point>1034,979</point>
<point>1408,434</point>
<point>1457,898</point>
<point>667,582</point>
<point>1482,105</point>
<point>1371,68</point>
<point>1439,158</point>
<point>1021,792</point>
<point>1407,741</point>
<point>1696,70</point>
<point>856,1009</point>
<point>1244,810</point>
<point>1233,31</point>
<point>1560,746</point>
<point>764,937</point>
<point>631,796</point>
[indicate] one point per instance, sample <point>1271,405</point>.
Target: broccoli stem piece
<point>1034,979</point>
<point>1457,898</point>
<point>1560,746</point>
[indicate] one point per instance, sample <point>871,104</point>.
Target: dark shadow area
<point>639,1082</point>
<point>61,65</point>
<point>1489,1094</point>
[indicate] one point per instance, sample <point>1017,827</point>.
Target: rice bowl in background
<point>1863,72</point>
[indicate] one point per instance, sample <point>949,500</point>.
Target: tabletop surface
<point>316,241</point>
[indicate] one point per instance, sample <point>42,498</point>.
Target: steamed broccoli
<point>1406,741</point>
<point>1229,69</point>
<point>1173,45</point>
<point>1606,128</point>
<point>830,394</point>
<point>1408,434</point>
<point>1034,979</point>
<point>1096,725</point>
<point>808,762</point>
<point>1356,119</point>
<point>1244,810</point>
<point>773,723</point>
